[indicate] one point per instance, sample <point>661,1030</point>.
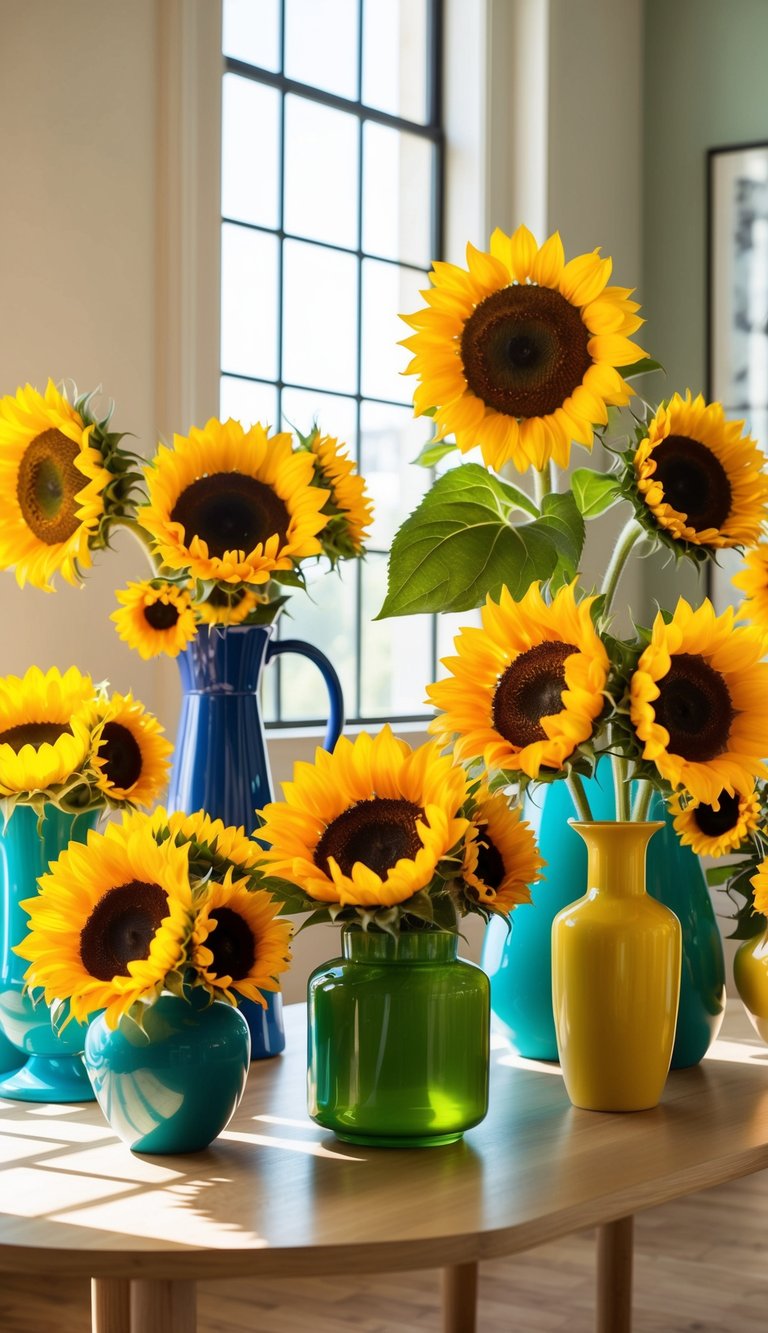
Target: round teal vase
<point>51,1062</point>
<point>519,961</point>
<point>174,1085</point>
<point>398,1040</point>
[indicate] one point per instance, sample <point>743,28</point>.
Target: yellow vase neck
<point>616,855</point>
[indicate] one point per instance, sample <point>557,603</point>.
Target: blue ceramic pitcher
<point>220,762</point>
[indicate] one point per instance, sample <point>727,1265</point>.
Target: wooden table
<point>277,1196</point>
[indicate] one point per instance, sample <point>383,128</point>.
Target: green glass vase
<point>399,1040</point>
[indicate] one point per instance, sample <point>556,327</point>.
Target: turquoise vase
<point>398,1032</point>
<point>519,963</point>
<point>53,1070</point>
<point>173,1085</point>
<point>220,761</point>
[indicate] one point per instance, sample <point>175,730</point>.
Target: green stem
<point>642,802</point>
<point>624,543</point>
<point>141,536</point>
<point>576,788</point>
<point>542,483</point>
<point>621,786</point>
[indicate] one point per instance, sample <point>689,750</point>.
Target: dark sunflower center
<point>379,832</point>
<point>47,484</point>
<point>714,822</point>
<point>490,862</point>
<point>161,615</point>
<point>694,480</point>
<point>695,708</point>
<point>524,351</point>
<point>531,688</point>
<point>232,945</point>
<point>121,928</point>
<point>230,512</point>
<point>34,733</point>
<point>121,754</point>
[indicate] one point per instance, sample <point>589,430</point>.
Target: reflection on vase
<point>519,962</point>
<point>750,972</point>
<point>173,1086</point>
<point>53,1069</point>
<point>220,762</point>
<point>398,1040</point>
<point>615,977</point>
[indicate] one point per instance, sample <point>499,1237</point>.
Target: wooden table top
<point>276,1195</point>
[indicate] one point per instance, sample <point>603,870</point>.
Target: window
<point>332,163</point>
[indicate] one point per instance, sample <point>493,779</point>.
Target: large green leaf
<point>561,518</point>
<point>432,452</point>
<point>594,492</point>
<point>460,545</point>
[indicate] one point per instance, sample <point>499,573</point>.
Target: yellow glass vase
<point>750,972</point>
<point>616,957</point>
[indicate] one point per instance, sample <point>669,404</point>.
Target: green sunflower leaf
<point>643,367</point>
<point>432,452</point>
<point>560,516</point>
<point>459,545</point>
<point>595,492</point>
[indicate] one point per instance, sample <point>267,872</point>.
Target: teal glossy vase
<point>173,1085</point>
<point>519,962</point>
<point>398,1040</point>
<point>51,1066</point>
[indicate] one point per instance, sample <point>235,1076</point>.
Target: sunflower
<point>130,758</point>
<point>228,608</point>
<point>518,353</point>
<point>214,846</point>
<point>759,882</point>
<point>155,617</point>
<point>753,580</point>
<point>111,921</point>
<point>717,830</point>
<point>526,688</point>
<point>44,731</point>
<point>239,943</point>
<point>699,702</point>
<point>700,476</point>
<point>349,506</point>
<point>53,481</point>
<point>501,860</point>
<point>367,824</point>
<point>232,506</point>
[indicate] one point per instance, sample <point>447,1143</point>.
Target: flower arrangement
<point>156,903</point>
<point>228,517</point>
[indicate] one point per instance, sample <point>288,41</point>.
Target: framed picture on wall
<point>737,305</point>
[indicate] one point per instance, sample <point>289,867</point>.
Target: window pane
<point>395,57</point>
<point>252,32</point>
<point>387,292</point>
<point>321,44</point>
<point>390,440</point>
<point>396,654</point>
<point>397,193</point>
<point>334,416</point>
<point>325,618</point>
<point>248,302</point>
<point>321,172</point>
<point>250,151</point>
<point>319,317</point>
<point>248,402</point>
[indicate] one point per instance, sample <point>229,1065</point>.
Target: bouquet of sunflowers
<point>228,517</point>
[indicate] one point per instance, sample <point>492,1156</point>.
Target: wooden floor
<point>701,1266</point>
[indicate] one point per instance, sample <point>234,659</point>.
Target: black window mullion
<point>279,333</point>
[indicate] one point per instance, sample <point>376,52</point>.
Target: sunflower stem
<point>621,786</point>
<point>141,537</point>
<point>579,796</point>
<point>642,802</point>
<point>542,483</point>
<point>624,543</point>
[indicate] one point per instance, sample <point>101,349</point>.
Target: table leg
<point>163,1307</point>
<point>460,1299</point>
<point>614,1276</point>
<point>110,1306</point>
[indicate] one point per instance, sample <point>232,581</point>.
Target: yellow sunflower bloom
<point>219,845</point>
<point>239,944</point>
<point>112,919</point>
<point>759,882</point>
<point>349,500</point>
<point>131,754</point>
<point>717,830</point>
<point>526,688</point>
<point>44,731</point>
<point>701,476</point>
<point>501,860</point>
<point>753,581</point>
<point>366,825</point>
<point>231,506</point>
<point>155,618</point>
<point>52,481</point>
<point>520,353</point>
<point>699,702</point>
<point>223,608</point>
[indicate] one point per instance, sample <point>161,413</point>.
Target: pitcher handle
<point>327,671</point>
